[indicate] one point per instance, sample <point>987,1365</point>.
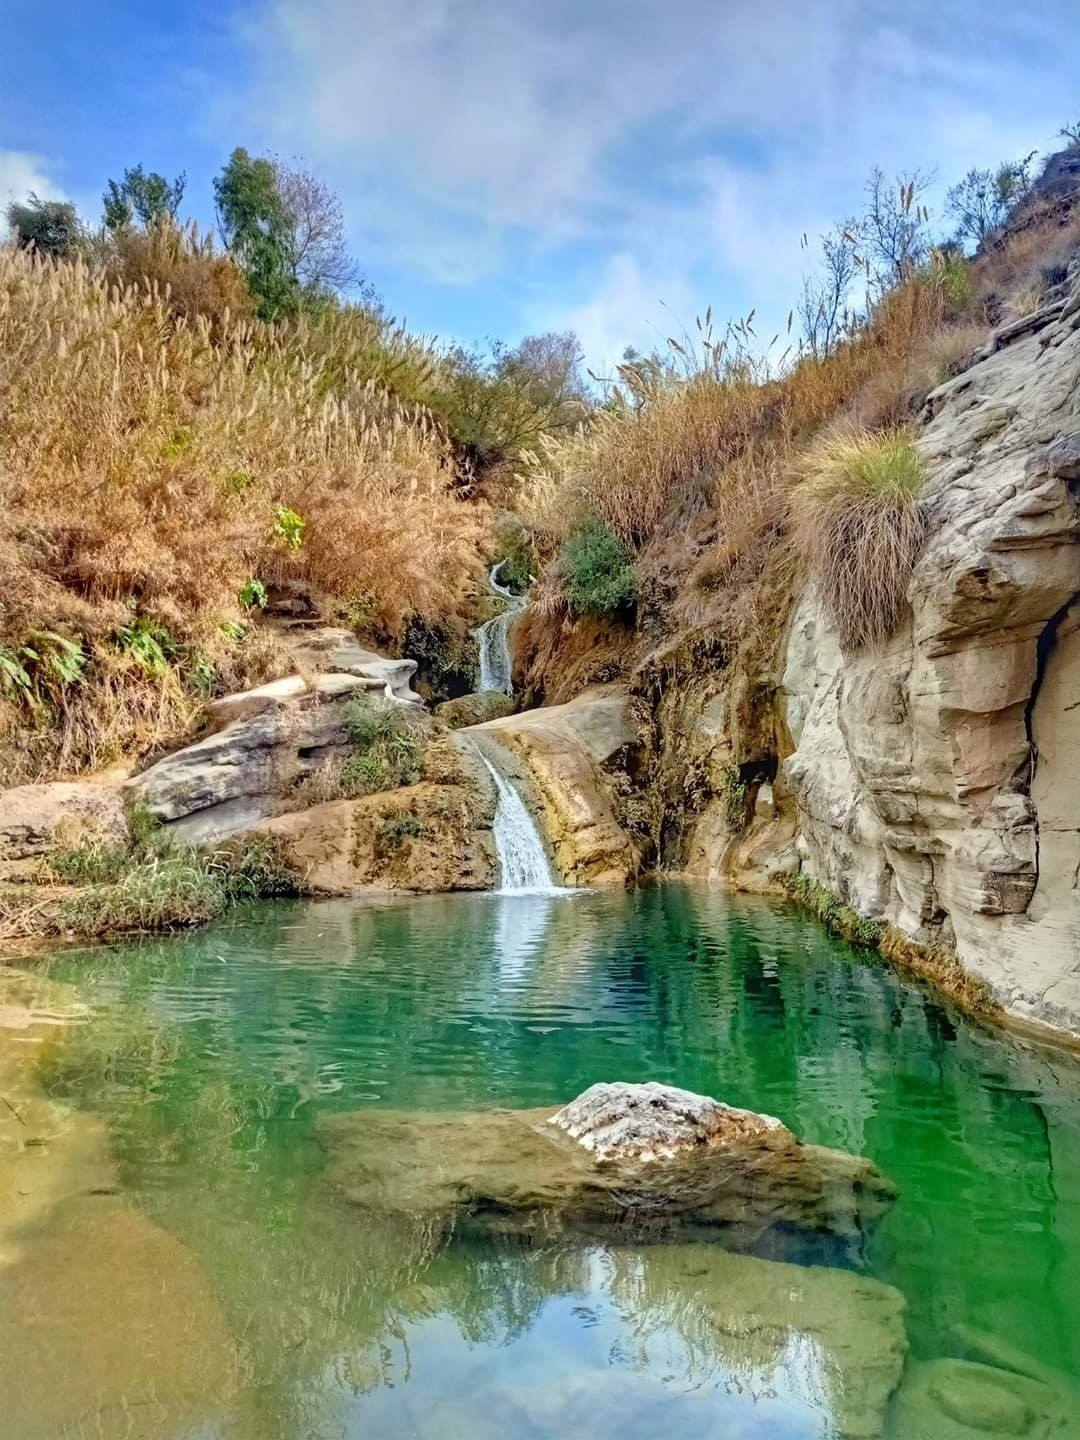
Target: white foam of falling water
<point>524,867</point>
<point>493,638</point>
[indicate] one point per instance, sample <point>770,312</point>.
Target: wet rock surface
<point>569,759</point>
<point>668,1168</point>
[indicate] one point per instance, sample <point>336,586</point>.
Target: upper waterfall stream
<point>493,638</point>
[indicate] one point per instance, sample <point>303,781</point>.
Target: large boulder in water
<point>630,1157</point>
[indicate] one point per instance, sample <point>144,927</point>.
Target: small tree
<point>894,228</point>
<point>257,229</point>
<point>823,309</point>
<point>1071,133</point>
<point>51,227</point>
<point>144,196</point>
<point>983,198</point>
<point>314,234</point>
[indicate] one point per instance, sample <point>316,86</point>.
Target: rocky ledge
<point>640,1157</point>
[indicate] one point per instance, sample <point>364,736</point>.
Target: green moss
<point>832,911</point>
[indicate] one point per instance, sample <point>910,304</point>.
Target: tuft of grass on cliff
<point>858,523</point>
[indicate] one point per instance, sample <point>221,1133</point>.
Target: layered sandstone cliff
<point>936,785</point>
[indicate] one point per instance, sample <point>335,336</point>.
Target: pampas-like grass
<point>859,522</point>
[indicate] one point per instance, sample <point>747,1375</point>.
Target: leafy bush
<point>50,227</point>
<point>858,521</point>
<point>252,595</point>
<point>148,643</point>
<point>394,831</point>
<point>289,527</point>
<point>597,573</point>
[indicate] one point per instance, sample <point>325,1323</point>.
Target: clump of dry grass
<point>858,520</point>
<point>147,460</point>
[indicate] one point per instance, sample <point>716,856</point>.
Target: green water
<point>211,1056</point>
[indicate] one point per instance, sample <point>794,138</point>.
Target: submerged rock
<point>629,1156</point>
<point>951,1399</point>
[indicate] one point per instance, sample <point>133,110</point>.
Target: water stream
<point>523,860</point>
<point>493,638</point>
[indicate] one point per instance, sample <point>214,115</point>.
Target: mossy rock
<point>474,709</point>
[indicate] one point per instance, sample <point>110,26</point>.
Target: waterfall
<point>523,861</point>
<point>493,638</point>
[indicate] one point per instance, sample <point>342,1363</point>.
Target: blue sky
<point>517,165</point>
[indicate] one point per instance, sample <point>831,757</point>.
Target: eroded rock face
<point>650,1122</point>
<point>474,709</point>
<point>421,837</point>
<point>34,817</point>
<point>569,758</point>
<point>936,785</point>
<point>619,1156</point>
<point>332,648</point>
<point>260,743</point>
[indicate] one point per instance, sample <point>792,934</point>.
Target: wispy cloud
<point>581,155</point>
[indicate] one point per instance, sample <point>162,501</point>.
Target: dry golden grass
<point>146,460</point>
<point>858,521</point>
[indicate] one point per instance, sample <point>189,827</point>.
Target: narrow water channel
<point>211,1286</point>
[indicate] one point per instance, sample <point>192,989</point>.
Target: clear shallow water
<point>210,1057</point>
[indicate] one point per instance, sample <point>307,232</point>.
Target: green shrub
<point>597,573</point>
<point>289,527</point>
<point>252,594</point>
<point>148,643</point>
<point>51,227</point>
<point>519,563</point>
<point>733,792</point>
<point>859,523</point>
<point>953,274</point>
<point>394,831</point>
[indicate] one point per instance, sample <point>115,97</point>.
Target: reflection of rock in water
<point>109,1327</point>
<point>510,1170</point>
<point>770,1349</point>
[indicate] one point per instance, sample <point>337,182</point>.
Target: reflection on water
<point>210,1057</point>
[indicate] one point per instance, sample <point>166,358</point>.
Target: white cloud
<point>683,146</point>
<point>21,173</point>
<point>630,306</point>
